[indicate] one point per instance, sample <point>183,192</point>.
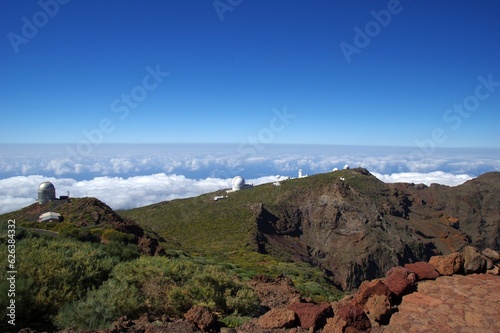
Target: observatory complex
<point>46,192</point>
<point>238,183</point>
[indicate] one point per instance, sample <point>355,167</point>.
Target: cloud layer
<point>125,193</point>
<point>128,176</point>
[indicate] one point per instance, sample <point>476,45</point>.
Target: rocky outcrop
<point>400,302</point>
<point>359,227</point>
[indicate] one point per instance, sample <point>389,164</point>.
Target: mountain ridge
<point>350,224</point>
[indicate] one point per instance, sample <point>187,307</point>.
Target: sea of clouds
<point>128,176</point>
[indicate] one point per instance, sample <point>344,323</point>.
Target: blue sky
<point>228,78</point>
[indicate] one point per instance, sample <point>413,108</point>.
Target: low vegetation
<point>66,283</point>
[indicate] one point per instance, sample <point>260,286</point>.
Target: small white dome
<point>238,183</point>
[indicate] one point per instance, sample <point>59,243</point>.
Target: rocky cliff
<point>356,227</point>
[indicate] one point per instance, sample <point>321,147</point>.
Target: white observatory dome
<point>46,192</point>
<point>238,183</point>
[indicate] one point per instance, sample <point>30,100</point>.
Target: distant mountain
<point>348,223</point>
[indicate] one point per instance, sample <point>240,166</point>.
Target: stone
<point>450,264</point>
<point>423,270</point>
<point>376,300</point>
<point>400,281</point>
<point>350,316</point>
<point>473,260</point>
<point>379,309</point>
<point>278,318</point>
<point>491,254</point>
<point>312,315</point>
<point>371,288</point>
<point>489,263</point>
<point>495,270</point>
<point>227,330</point>
<point>201,317</point>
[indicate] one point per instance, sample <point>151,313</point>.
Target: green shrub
<point>119,251</point>
<point>235,320</point>
<point>159,285</point>
<point>112,235</point>
<point>52,272</point>
<point>100,307</point>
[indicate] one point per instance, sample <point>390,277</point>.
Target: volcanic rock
<point>400,281</point>
<point>423,270</point>
<point>201,317</point>
<point>312,315</point>
<point>349,317</point>
<point>448,264</point>
<point>473,260</point>
<point>492,255</point>
<point>278,318</point>
<point>371,288</point>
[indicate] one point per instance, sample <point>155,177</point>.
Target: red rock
<point>448,264</point>
<point>201,317</point>
<point>379,309</point>
<point>278,318</point>
<point>423,270</point>
<point>473,260</point>
<point>376,300</point>
<point>350,316</point>
<point>312,315</point>
<point>400,281</point>
<point>371,288</point>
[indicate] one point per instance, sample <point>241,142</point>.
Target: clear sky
<point>345,72</point>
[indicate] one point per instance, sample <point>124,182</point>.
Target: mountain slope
<point>348,223</point>
<point>87,219</point>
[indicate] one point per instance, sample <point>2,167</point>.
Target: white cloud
<point>126,176</point>
<point>438,177</point>
<point>131,192</point>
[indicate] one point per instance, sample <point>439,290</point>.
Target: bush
<point>112,235</point>
<point>52,272</point>
<point>158,285</point>
<point>101,307</point>
<point>120,252</point>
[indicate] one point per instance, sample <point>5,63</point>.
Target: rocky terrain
<point>401,251</point>
<point>359,227</point>
<point>458,292</point>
